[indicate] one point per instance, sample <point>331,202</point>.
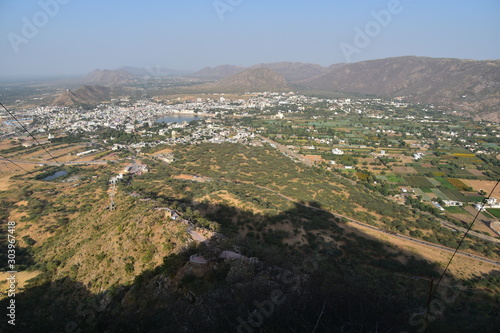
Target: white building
<point>87,152</point>
<point>490,203</point>
<point>452,203</point>
<point>279,115</point>
<point>418,156</point>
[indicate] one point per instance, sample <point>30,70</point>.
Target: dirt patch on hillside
<point>461,267</point>
<point>485,185</point>
<point>314,158</point>
<point>479,225</point>
<point>21,279</point>
<point>4,183</point>
<point>164,151</point>
<point>185,177</point>
<point>8,168</point>
<point>404,170</point>
<point>476,172</point>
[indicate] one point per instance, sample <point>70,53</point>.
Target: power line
<point>38,142</point>
<point>17,165</point>
<point>465,235</point>
<point>459,244</point>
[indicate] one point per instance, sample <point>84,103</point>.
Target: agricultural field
<point>454,195</point>
<point>445,183</point>
<point>418,181</point>
<point>400,170</point>
<point>484,185</point>
<point>456,210</point>
<point>397,158</point>
<point>494,211</point>
<point>394,179</point>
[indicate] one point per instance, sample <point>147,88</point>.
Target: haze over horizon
<point>69,37</point>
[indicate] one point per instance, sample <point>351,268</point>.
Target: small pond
<point>55,175</point>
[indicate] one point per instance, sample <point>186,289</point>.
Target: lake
<point>56,175</point>
<point>177,118</point>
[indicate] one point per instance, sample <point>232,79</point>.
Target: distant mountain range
<point>124,75</point>
<point>469,86</point>
<point>219,72</point>
<point>465,85</point>
<point>291,71</point>
<point>106,76</point>
<point>255,79</point>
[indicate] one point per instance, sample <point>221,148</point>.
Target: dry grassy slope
<point>96,247</point>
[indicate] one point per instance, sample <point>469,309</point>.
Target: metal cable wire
<point>461,241</point>
<point>17,165</point>
<point>38,142</point>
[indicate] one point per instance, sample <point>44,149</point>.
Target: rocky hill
<point>294,71</point>
<point>291,71</point>
<point>83,96</point>
<point>469,86</point>
<point>107,76</point>
<point>155,71</point>
<point>257,79</point>
<point>218,72</point>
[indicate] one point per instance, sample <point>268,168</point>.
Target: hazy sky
<point>56,37</point>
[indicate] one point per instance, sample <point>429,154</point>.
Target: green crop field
<point>495,169</point>
<point>463,172</point>
<point>394,179</point>
<point>459,150</point>
<point>491,145</point>
<point>433,181</point>
<point>423,170</point>
<point>382,178</point>
<point>454,195</point>
<point>421,193</point>
<point>445,183</point>
<point>475,198</point>
<point>417,181</point>
<point>458,184</point>
<point>455,210</point>
<point>494,211</point>
<point>440,194</point>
